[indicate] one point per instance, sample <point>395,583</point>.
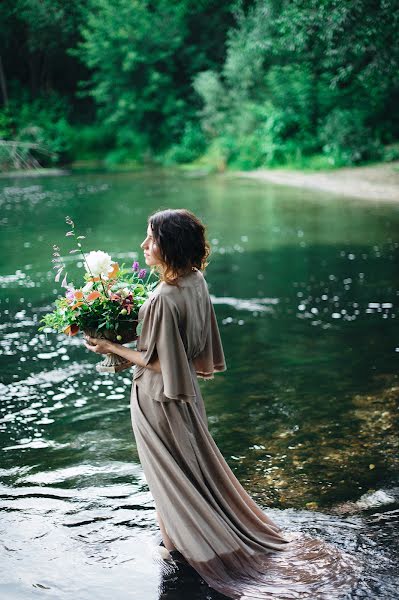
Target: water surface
<point>305,290</point>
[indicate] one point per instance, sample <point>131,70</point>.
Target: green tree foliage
<point>34,38</point>
<point>142,56</point>
<point>302,77</point>
<point>38,78</point>
<point>250,83</point>
<point>39,127</point>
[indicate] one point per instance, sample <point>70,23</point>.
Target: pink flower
<point>70,295</point>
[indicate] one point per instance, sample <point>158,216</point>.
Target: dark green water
<point>305,287</point>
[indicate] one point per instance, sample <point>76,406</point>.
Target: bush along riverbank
<point>261,84</point>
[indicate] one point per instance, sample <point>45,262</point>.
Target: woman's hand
<point>98,345</point>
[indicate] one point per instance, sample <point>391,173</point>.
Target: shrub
<point>347,139</point>
<point>41,126</point>
<point>92,141</point>
<point>192,144</point>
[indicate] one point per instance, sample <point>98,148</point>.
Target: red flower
<point>71,329</point>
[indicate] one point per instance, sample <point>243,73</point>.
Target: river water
<point>305,287</point>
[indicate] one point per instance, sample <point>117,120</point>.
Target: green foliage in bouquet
<point>107,303</point>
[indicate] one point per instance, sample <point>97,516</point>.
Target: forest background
<point>303,83</point>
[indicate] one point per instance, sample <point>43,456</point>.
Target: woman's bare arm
<point>135,357</point>
<point>102,346</point>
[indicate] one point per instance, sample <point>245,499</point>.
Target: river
<point>305,288</point>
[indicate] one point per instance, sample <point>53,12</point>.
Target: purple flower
<point>135,266</point>
<point>70,295</point>
<point>142,273</point>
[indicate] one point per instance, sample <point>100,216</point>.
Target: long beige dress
<point>207,514</point>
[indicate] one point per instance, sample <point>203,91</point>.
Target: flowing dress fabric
<point>207,514</point>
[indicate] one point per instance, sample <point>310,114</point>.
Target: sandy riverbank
<point>377,182</point>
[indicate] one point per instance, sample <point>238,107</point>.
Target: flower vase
<point>113,363</point>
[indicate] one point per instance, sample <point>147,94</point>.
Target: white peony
<point>98,263</point>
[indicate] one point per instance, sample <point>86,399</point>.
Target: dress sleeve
<point>160,337</point>
<point>211,358</point>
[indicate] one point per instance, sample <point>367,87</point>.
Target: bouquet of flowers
<point>108,303</point>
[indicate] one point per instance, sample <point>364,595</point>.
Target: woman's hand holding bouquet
<point>106,306</point>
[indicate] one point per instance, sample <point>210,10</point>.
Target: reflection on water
<point>93,541</point>
<point>305,290</point>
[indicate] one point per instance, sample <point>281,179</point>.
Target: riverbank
<point>372,182</point>
<point>378,182</point>
<point>42,172</point>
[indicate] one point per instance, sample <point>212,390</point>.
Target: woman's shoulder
<point>163,295</point>
<point>173,295</point>
<point>172,290</point>
<point>157,303</point>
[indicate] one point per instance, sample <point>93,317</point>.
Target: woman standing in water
<point>203,511</point>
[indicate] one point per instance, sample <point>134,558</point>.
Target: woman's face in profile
<point>151,250</point>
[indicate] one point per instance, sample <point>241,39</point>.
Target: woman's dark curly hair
<point>181,239</point>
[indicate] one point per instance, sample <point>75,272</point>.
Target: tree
<point>142,56</point>
<point>295,70</point>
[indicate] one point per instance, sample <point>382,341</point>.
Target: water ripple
<point>107,528</point>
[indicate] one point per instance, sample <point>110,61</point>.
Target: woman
<point>203,512</point>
